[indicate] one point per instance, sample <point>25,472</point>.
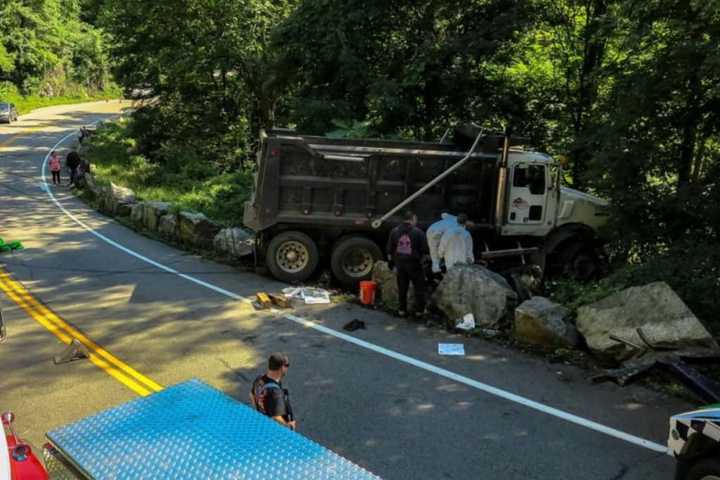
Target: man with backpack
<point>406,248</point>
<point>267,394</point>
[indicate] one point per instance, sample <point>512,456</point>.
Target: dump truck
<point>334,201</point>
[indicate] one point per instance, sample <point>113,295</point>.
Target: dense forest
<point>51,49</point>
<point>627,90</point>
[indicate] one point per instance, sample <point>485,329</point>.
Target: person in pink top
<point>55,167</point>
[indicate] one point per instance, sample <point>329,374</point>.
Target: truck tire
<point>580,262</point>
<point>353,258</point>
<point>292,256</point>
<point>705,469</point>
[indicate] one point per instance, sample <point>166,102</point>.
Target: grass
<point>220,196</point>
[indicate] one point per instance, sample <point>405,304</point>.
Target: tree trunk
<point>594,51</point>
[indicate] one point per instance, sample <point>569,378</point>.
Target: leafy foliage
<point>47,49</point>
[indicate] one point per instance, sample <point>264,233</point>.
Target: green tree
<point>402,66</point>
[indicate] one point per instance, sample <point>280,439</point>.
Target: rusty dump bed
<point>324,182</point>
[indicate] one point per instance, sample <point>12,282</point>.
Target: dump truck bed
<point>325,182</point>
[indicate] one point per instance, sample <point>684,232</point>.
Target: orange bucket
<point>367,292</point>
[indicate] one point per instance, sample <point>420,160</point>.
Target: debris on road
<point>467,322</point>
<point>704,387</point>
<point>263,300</point>
<point>7,247</point>
<point>354,324</point>
<point>309,295</point>
<point>451,349</point>
<point>74,351</point>
<point>279,300</point>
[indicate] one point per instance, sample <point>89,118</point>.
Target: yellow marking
<point>112,365</point>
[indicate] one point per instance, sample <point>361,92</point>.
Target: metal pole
<point>427,186</point>
<point>502,183</point>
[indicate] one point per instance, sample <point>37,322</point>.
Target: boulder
<point>477,290</point>
<point>196,229</point>
<point>387,286</point>
<point>236,242</point>
<point>168,226</point>
<point>648,316</point>
<point>136,213</point>
<point>106,203</point>
<point>152,211</point>
<point>122,194</point>
<point>123,209</point>
<point>90,184</point>
<point>540,322</point>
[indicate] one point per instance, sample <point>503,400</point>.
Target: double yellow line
<point>112,365</point>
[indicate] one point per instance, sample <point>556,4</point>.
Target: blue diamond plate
<point>193,431</point>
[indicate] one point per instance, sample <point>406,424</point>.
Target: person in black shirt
<point>267,394</point>
<point>405,248</point>
<point>72,161</point>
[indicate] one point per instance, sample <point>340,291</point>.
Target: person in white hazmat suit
<point>435,233</point>
<point>456,244</point>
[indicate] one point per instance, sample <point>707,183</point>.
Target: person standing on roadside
<point>72,162</point>
<point>55,167</point>
<point>456,244</point>
<point>434,235</point>
<point>267,394</point>
<point>406,248</point>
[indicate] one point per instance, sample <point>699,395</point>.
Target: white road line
<point>569,417</point>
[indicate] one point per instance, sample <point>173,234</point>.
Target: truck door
<point>528,194</point>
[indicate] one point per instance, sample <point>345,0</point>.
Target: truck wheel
<point>580,263</point>
<point>705,469</point>
<point>292,256</point>
<point>353,258</point>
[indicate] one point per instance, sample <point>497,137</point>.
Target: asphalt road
<point>404,412</point>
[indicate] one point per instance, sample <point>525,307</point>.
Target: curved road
<point>388,402</point>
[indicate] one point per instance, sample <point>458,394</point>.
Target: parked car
<point>695,441</point>
<point>8,112</point>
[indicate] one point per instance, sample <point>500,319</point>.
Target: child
<point>55,167</point>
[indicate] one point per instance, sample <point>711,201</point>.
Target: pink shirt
<point>55,163</point>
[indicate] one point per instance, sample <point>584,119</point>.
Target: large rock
<point>123,209</point>
<point>540,322</point>
<point>136,213</point>
<point>152,211</point>
<point>196,229</point>
<point>477,290</point>
<point>235,242</point>
<point>387,286</point>
<point>654,309</point>
<point>168,226</point>
<point>90,185</point>
<point>122,194</point>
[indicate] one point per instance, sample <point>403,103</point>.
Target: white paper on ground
<point>467,323</point>
<point>315,295</point>
<point>309,295</point>
<point>451,349</point>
